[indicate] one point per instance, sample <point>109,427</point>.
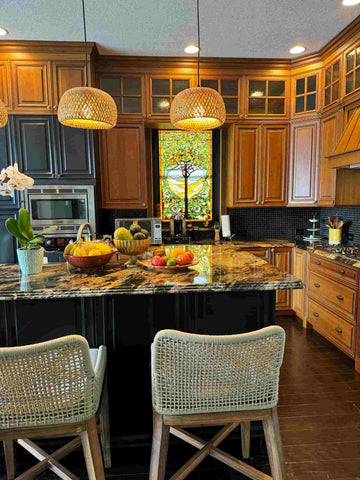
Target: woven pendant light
<point>87,107</point>
<point>3,115</point>
<point>199,108</point>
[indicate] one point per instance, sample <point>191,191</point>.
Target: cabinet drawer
<point>335,269</point>
<point>331,325</point>
<point>340,295</point>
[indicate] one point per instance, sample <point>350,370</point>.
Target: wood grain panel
<point>330,131</point>
<point>30,83</point>
<point>274,165</point>
<point>299,271</point>
<point>66,75</point>
<point>123,167</point>
<point>282,260</point>
<point>304,163</point>
<point>334,270</point>
<point>5,90</point>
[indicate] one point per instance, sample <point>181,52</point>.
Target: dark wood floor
<point>319,411</point>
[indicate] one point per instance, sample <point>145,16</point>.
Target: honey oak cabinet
<point>5,88</point>
<point>299,270</point>
<point>330,131</point>
<point>66,75</point>
<point>128,92</point>
<point>257,165</point>
<point>266,97</point>
<point>281,258</point>
<point>161,90</point>
<point>123,167</point>
<point>305,99</point>
<point>303,170</point>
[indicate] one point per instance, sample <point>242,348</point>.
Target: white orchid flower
<point>6,191</point>
<point>12,170</point>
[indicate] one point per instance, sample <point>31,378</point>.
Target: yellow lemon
<point>94,252</point>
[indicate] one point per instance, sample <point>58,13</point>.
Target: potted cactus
<point>31,253</point>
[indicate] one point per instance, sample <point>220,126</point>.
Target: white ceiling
<point>229,28</point>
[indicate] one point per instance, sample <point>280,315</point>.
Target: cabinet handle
<point>55,107</point>
<point>316,285</point>
<point>246,116</point>
<point>339,297</point>
<point>341,271</point>
<point>315,314</point>
<point>49,107</point>
<point>317,262</point>
<point>338,330</point>
<point>258,202</point>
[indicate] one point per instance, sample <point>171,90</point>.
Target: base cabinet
<point>281,258</point>
<point>299,270</point>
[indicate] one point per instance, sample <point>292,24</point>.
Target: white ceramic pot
<point>30,261</point>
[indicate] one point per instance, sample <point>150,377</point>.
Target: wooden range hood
<point>347,151</point>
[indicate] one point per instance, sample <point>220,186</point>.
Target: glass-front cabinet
<point>332,83</point>
<point>306,96</point>
<point>352,70</point>
<point>229,89</point>
<point>266,97</point>
<point>162,92</point>
<point>127,91</point>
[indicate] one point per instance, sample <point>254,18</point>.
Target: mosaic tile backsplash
<point>351,217</point>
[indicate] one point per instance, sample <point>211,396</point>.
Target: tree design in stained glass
<point>185,161</point>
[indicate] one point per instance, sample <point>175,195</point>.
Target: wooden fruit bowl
<point>83,263</point>
<point>132,248</point>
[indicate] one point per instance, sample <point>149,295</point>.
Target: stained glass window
<point>185,161</point>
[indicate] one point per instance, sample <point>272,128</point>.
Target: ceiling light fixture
<point>199,108</point>
<point>193,48</point>
<point>297,49</point>
<point>3,32</point>
<point>350,3</point>
<point>87,107</point>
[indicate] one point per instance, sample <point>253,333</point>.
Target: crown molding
<point>34,46</point>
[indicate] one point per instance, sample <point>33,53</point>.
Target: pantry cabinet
<point>123,167</point>
<point>257,165</point>
<point>303,171</point>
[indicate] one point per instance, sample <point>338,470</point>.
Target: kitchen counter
<point>319,250</point>
<point>221,268</point>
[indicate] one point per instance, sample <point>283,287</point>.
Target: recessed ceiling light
<point>297,49</point>
<point>349,3</point>
<point>193,48</point>
<point>3,31</point>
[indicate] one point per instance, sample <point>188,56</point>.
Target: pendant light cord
<point>198,29</point>
<point>86,50</point>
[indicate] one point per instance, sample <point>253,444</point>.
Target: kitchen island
<point>228,291</point>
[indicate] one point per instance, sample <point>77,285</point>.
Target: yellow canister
<point>334,236</point>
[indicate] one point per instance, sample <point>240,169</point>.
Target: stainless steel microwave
<point>67,206</point>
<point>152,225</point>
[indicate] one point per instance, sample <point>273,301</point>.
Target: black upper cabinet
<point>75,149</point>
<point>7,157</point>
<point>46,149</point>
<point>7,243</point>
<point>35,145</point>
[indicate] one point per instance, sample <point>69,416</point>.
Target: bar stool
<point>54,389</point>
<point>203,380</point>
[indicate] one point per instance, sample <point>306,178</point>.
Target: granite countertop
<point>338,257</point>
<point>220,268</point>
<point>268,243</point>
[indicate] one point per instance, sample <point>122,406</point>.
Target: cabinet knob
<point>342,272</point>
<point>258,202</point>
<point>340,297</point>
<point>246,116</point>
<point>49,107</point>
<point>338,330</point>
<point>55,107</point>
<point>317,262</point>
<point>315,314</point>
<point>316,285</point>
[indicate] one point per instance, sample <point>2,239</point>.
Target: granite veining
<point>352,262</point>
<point>220,268</point>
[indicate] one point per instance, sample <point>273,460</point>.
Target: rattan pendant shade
<point>197,109</point>
<point>3,115</point>
<point>87,107</point>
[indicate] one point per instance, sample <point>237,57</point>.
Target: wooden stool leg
<point>274,446</point>
<point>9,458</point>
<point>160,444</point>
<point>245,439</point>
<point>92,451</point>
<point>105,425</point>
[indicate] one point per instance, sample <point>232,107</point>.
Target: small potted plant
<point>31,253</point>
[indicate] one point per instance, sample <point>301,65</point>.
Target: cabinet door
<point>5,93</point>
<point>65,76</point>
<point>299,271</point>
<point>35,145</point>
<point>7,157</point>
<point>76,152</point>
<point>123,167</point>
<point>281,258</point>
<point>274,165</point>
<point>7,241</point>
<point>330,132</point>
<point>304,147</point>
<point>244,166</point>
<point>30,83</point>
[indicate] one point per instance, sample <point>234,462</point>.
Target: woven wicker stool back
<point>202,373</point>
<point>47,383</point>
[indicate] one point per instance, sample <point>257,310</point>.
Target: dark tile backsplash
<point>351,217</point>
<point>106,218</point>
<point>261,223</point>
